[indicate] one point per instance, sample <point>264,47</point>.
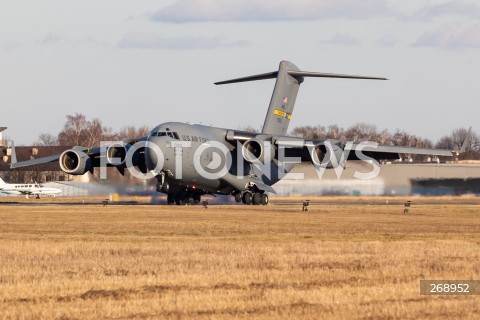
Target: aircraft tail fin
<point>2,182</point>
<point>13,158</point>
<point>466,142</point>
<point>289,78</point>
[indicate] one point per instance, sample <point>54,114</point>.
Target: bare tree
<point>317,133</point>
<point>445,142</point>
<point>131,132</point>
<point>73,133</point>
<point>384,137</point>
<point>78,131</point>
<point>45,140</point>
<point>250,129</point>
<point>335,132</point>
<point>362,132</point>
<point>96,132</point>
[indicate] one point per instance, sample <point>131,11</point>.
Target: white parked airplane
<point>28,189</point>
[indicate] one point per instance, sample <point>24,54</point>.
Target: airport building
<point>454,178</point>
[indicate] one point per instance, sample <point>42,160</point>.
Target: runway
<point>274,201</point>
<point>264,262</point>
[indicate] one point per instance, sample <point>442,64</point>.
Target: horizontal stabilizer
<point>330,75</point>
<point>293,73</point>
<point>263,76</point>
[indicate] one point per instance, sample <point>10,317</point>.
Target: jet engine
<point>139,160</point>
<point>75,162</point>
<point>116,154</point>
<point>328,155</point>
<point>254,150</point>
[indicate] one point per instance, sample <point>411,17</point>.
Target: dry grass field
<point>241,262</point>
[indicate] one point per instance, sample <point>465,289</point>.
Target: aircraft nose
<point>151,158</point>
<point>153,155</point>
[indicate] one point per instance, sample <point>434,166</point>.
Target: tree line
<point>368,132</point>
<point>79,131</point>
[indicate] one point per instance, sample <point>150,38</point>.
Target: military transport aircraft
<point>27,189</point>
<point>191,160</point>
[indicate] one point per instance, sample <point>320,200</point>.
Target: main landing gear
<point>179,197</point>
<point>183,198</point>
<point>249,197</point>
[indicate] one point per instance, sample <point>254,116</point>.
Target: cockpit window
<point>170,134</point>
<point>173,135</point>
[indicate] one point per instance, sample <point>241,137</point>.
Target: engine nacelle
<point>75,162</point>
<point>139,160</point>
<point>254,150</point>
<point>322,155</point>
<point>116,154</point>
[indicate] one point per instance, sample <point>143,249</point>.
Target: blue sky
<point>147,62</point>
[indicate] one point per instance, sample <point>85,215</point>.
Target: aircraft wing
<point>93,153</point>
<point>34,162</point>
<point>300,147</point>
<point>407,150</point>
<point>372,150</point>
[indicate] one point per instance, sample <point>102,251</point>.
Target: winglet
<point>466,142</point>
<point>13,158</point>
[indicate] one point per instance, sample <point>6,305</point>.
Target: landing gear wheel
<point>247,198</point>
<point>170,199</point>
<point>163,187</point>
<point>257,198</point>
<point>238,197</point>
<point>264,199</point>
<point>179,201</point>
<point>196,199</point>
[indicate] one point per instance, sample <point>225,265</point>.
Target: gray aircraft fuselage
<point>180,145</point>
